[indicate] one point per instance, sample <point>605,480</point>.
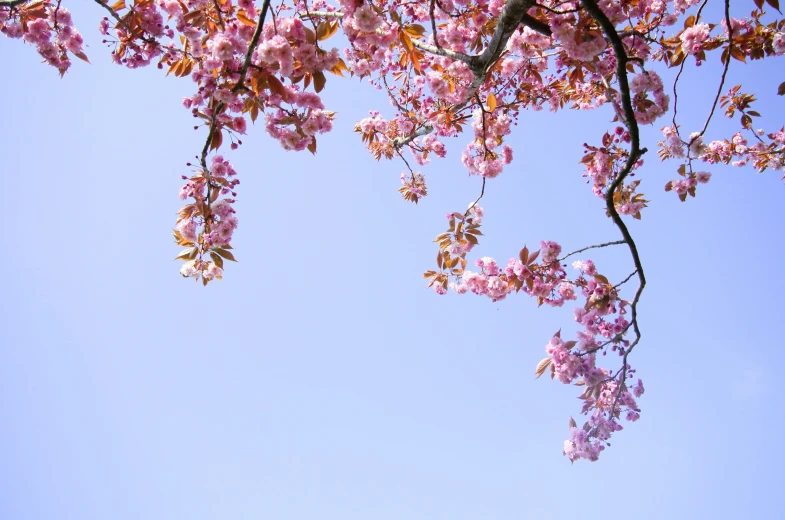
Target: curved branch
<point>635,152</point>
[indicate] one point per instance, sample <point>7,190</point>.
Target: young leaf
<point>524,255</point>
<point>245,20</point>
<point>541,367</point>
<point>406,41</point>
<point>276,87</point>
<point>224,253</point>
<point>217,139</point>
<point>217,259</point>
<point>82,56</point>
<point>185,254</point>
<point>319,80</point>
<point>491,102</point>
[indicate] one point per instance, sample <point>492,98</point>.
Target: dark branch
<point>433,23</point>
<point>635,152</point>
<point>535,24</point>
<point>12,3</point>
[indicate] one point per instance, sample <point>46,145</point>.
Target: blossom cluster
<point>47,26</point>
<point>206,225</point>
<point>445,66</point>
<point>602,318</point>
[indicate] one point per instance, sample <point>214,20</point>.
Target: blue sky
<point>321,379</point>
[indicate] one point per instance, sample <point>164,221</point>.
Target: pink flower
<point>239,124</point>
<point>187,228</point>
<point>549,251</point>
<point>567,291</point>
<point>212,271</point>
<point>221,47</point>
<point>189,269</point>
<point>778,43</point>
<point>366,19</point>
<point>488,265</point>
<point>460,288</point>
<point>693,37</point>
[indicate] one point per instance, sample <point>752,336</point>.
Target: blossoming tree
<point>451,66</point>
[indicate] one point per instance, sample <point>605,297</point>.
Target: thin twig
<point>606,244</point>
<point>625,280</point>
<point>482,192</point>
<point>122,23</point>
<point>725,70</point>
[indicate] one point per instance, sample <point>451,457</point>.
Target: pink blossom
<point>693,37</point>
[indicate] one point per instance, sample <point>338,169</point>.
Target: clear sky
<point>320,379</point>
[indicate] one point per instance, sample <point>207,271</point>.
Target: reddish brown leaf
<point>245,20</point>
<point>406,41</point>
<point>217,259</point>
<point>224,253</point>
<point>82,56</point>
<point>217,139</point>
<point>276,87</point>
<point>541,367</point>
<point>319,81</point>
<point>524,255</point>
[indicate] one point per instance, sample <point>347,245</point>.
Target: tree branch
<point>635,152</point>
<point>432,14</point>
<point>12,3</point>
<point>441,51</point>
<point>512,15</point>
<point>240,85</point>
<point>122,23</point>
<point>535,24</point>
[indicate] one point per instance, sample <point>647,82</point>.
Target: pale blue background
<point>320,379</point>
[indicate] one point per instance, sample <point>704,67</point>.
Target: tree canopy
<point>449,67</point>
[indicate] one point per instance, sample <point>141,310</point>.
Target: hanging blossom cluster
<point>205,226</point>
<point>484,156</point>
<point>48,27</point>
<point>449,67</point>
<point>602,316</point>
